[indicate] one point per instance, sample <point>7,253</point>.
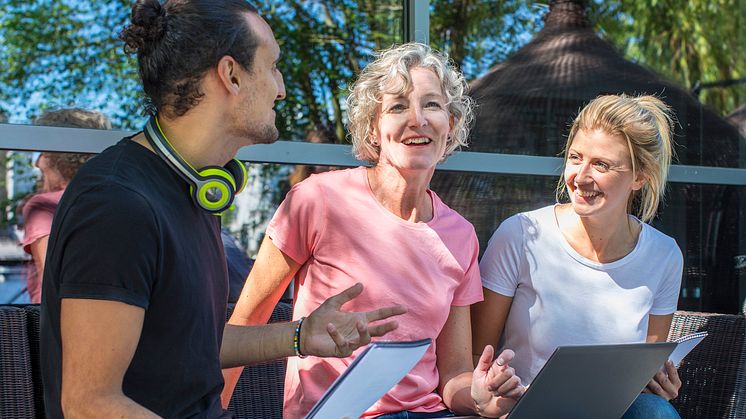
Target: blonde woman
<point>382,226</point>
<point>591,270</point>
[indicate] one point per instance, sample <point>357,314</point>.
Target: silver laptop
<point>592,381</point>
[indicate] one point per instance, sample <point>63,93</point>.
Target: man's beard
<point>256,133</point>
<point>266,134</point>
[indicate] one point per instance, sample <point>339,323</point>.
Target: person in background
<point>57,169</point>
<point>384,227</point>
<point>591,271</point>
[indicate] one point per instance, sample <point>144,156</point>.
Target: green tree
<point>479,34</point>
<point>64,53</point>
<point>324,44</point>
<point>687,41</point>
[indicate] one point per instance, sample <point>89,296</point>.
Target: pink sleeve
<point>37,216</point>
<point>299,221</point>
<point>470,289</point>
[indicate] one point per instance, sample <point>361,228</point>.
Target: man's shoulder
<point>116,159</point>
<point>124,169</point>
<point>112,182</point>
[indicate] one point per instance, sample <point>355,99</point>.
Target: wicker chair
<point>32,315</point>
<point>712,375</point>
<point>259,391</point>
<point>258,394</point>
<point>16,378</point>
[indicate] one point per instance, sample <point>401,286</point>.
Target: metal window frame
<point>416,22</point>
<point>80,140</point>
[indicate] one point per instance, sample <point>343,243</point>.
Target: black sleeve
<point>108,246</point>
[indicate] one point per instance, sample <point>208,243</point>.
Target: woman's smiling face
<point>598,174</point>
<point>412,128</point>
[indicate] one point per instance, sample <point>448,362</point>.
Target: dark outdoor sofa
<point>713,375</point>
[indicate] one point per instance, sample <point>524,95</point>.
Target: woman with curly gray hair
<point>383,227</point>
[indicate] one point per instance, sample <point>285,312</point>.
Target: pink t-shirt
<point>37,223</point>
<point>335,228</point>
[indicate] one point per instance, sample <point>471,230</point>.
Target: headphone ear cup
<point>216,191</point>
<point>238,170</point>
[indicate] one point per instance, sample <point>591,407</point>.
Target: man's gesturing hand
<point>328,331</point>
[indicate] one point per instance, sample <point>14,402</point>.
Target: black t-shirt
<point>127,230</point>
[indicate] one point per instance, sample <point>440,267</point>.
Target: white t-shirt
<point>562,298</point>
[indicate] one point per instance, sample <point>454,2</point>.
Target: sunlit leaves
<point>66,53</point>
<point>687,41</point>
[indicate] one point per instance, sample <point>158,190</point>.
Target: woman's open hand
<point>495,388</point>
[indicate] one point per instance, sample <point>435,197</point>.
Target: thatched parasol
<point>737,118</point>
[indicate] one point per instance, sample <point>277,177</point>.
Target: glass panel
<point>41,176</point>
<point>247,221</point>
<point>532,67</point>
<point>707,222</point>
<point>65,53</point>
<point>324,45</point>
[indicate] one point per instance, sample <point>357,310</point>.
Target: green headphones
<point>212,188</point>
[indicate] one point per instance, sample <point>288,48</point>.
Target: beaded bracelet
<point>296,338</point>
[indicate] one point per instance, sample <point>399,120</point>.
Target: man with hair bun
<point>135,285</point>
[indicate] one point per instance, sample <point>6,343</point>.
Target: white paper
<point>373,373</point>
<point>685,345</point>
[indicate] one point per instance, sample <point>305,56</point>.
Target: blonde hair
<point>647,125</point>
<point>377,78</point>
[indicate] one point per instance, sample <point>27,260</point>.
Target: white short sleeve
<point>667,296</point>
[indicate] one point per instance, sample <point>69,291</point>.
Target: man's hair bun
<point>147,28</point>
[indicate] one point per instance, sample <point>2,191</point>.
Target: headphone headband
<point>212,188</point>
<point>163,148</point>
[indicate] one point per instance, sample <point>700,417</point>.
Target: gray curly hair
<point>378,78</point>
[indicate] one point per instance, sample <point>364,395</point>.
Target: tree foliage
<point>65,52</point>
<point>59,53</point>
<point>324,45</point>
<point>479,34</point>
<point>687,41</point>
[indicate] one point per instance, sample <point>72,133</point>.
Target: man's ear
<point>229,75</point>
